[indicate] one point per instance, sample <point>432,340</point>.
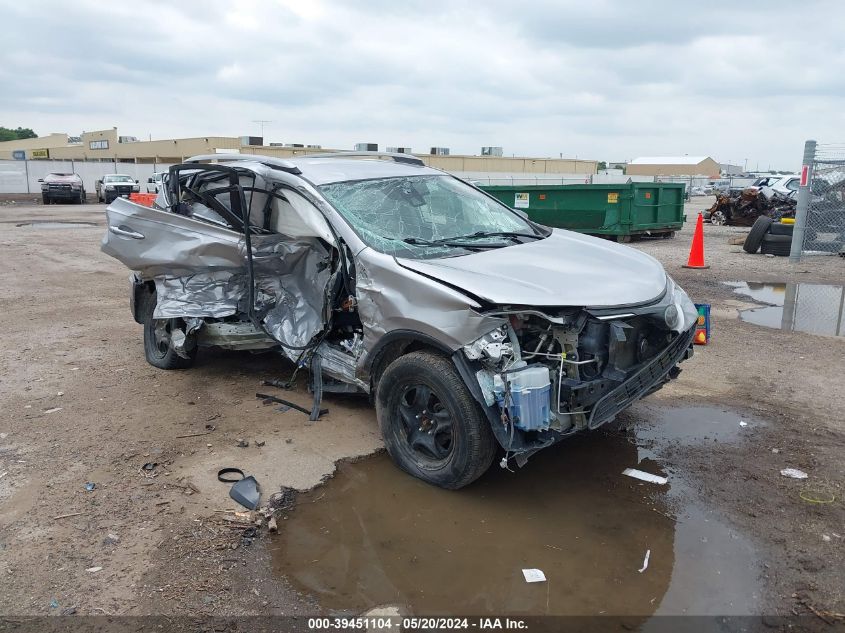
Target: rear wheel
<point>158,341</point>
<point>431,425</point>
<point>718,218</point>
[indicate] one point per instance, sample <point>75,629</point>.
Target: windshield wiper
<point>513,234</point>
<point>458,240</point>
<point>418,241</point>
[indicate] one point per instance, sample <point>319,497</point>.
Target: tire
<point>158,349</point>
<point>45,199</point>
<point>453,446</point>
<point>779,245</point>
<point>781,229</point>
<point>717,218</point>
<point>755,235</point>
<point>623,239</point>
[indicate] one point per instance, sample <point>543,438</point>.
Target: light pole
<point>261,122</point>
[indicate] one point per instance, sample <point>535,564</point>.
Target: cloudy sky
<point>592,79</point>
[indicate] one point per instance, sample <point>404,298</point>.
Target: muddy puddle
<point>57,225</point>
<point>373,535</point>
<point>803,307</point>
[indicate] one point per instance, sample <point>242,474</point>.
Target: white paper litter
<point>94,570</point>
<point>643,476</point>
<point>743,423</point>
<point>645,561</point>
<point>53,410</point>
<point>534,575</point>
<point>794,473</point>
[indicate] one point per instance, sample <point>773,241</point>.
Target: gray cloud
<point>605,79</point>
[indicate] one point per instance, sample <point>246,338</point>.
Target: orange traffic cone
<point>696,251</point>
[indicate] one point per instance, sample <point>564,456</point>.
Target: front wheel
<point>718,218</point>
<point>431,425</point>
<point>158,341</point>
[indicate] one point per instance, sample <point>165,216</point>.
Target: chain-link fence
<point>820,216</point>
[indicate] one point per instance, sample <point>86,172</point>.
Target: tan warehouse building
<point>673,166</point>
<point>108,146</point>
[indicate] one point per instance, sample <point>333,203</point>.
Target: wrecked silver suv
<point>468,325</point>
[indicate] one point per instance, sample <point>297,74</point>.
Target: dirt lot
<point>80,405</point>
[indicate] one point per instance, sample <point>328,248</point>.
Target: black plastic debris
<point>245,489</point>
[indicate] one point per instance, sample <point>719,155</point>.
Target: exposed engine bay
<point>550,376</point>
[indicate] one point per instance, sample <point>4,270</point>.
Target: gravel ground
<point>80,405</point>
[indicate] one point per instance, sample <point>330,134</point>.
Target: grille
<point>53,187</point>
<point>641,382</point>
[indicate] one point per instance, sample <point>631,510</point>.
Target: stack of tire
<point>769,237</point>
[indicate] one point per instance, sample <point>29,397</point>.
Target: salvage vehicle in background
<point>154,182</point>
<point>466,323</point>
<point>785,186</point>
<point>65,187</point>
<point>113,186</point>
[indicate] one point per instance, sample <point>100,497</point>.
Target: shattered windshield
<point>423,217</point>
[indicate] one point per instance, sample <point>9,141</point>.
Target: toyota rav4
<point>468,325</point>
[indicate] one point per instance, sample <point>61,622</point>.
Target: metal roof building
<point>673,166</point>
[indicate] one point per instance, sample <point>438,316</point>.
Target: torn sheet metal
<point>290,281</point>
<point>202,294</point>
<point>199,270</point>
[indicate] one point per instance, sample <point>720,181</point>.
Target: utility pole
<point>745,166</point>
<point>261,122</point>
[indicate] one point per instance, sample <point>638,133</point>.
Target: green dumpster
<point>621,210</point>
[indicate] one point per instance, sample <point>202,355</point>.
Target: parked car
<point>113,186</point>
<point>65,187</point>
<point>467,324</point>
<point>154,182</point>
<point>784,186</point>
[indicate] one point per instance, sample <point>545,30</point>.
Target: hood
<point>564,269</point>
<point>63,178</point>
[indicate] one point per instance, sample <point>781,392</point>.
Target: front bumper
<point>120,192</point>
<point>644,381</point>
<point>61,194</point>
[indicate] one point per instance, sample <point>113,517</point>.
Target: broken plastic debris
<point>534,575</point>
<point>90,486</point>
<point>53,410</point>
<point>743,423</point>
<point>94,570</point>
<point>645,561</point>
<point>644,476</point>
<point>793,473</point>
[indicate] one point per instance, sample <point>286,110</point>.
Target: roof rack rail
<point>408,159</point>
<point>269,161</point>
